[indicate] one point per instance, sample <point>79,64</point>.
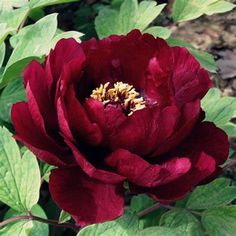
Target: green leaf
<point>36,229</point>
<point>126,225</point>
<point>2,53</point>
<point>220,221</point>
<point>141,202</point>
<point>8,5</point>
<point>19,228</point>
<point>19,3</point>
<point>219,7</point>
<point>158,31</point>
<point>206,60</point>
<point>46,170</point>
<point>14,18</point>
<point>15,39</point>
<point>183,230</point>
<point>178,217</point>
<point>184,10</point>
<point>10,21</point>
<point>220,110</point>
<point>12,93</point>
<point>19,177</point>
<point>14,71</point>
<point>214,194</point>
<point>43,3</point>
<point>130,16</point>
<point>65,35</point>
<point>5,6</point>
<point>147,12</point>
<point>64,216</point>
<point>35,43</point>
<point>106,23</point>
<point>4,31</point>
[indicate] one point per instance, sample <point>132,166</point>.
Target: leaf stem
<point>42,220</point>
<point>23,21</point>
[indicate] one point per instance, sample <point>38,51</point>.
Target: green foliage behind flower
<point>27,32</point>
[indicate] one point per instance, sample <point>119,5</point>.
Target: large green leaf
<point>36,228</point>
<point>14,18</point>
<point>183,230</point>
<point>35,43</point>
<point>11,94</point>
<point>2,53</point>
<point>214,194</point>
<point>9,5</point>
<point>220,221</point>
<point>220,110</point>
<point>10,21</point>
<point>19,177</point>
<point>184,10</point>
<point>158,31</point>
<point>142,202</point>
<point>65,35</point>
<point>206,60</point>
<point>4,31</point>
<point>43,3</point>
<point>178,217</point>
<point>19,228</point>
<point>126,225</point>
<point>130,16</point>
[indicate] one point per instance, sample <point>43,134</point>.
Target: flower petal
<point>190,81</point>
<point>175,190</point>
<point>87,200</point>
<point>140,172</point>
<point>35,78</point>
<point>144,130</point>
<point>189,117</point>
<point>113,59</point>
<point>30,135</point>
<point>65,51</point>
<point>206,137</point>
<point>206,147</point>
<point>95,173</point>
<point>79,122</point>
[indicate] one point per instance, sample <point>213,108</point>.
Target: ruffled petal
<point>35,78</point>
<point>203,167</point>
<point>207,147</point>
<point>190,115</point>
<point>190,81</point>
<point>144,130</point>
<point>29,134</point>
<point>206,137</point>
<point>80,124</point>
<point>65,51</point>
<point>140,172</point>
<point>87,200</point>
<point>95,173</point>
<point>113,59</point>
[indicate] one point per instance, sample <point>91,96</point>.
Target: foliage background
<point>29,29</point>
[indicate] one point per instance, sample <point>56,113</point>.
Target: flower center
<point>120,94</point>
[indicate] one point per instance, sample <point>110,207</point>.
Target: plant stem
<point>23,22</point>
<point>42,220</point>
<point>13,219</point>
<point>149,210</point>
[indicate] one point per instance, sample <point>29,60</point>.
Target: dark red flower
<point>125,108</point>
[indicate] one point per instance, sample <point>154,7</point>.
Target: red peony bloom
<point>125,108</point>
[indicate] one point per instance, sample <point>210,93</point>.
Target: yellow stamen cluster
<point>122,94</point>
